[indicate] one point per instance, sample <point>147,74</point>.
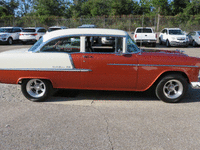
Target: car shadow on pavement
<point>94,95</point>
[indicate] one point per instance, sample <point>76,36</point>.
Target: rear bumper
<point>145,41</point>
<point>195,85</point>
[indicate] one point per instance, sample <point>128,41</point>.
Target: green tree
<point>161,7</point>
<point>51,7</point>
<point>179,6</point>
<point>121,7</point>
<point>8,8</point>
<point>95,8</point>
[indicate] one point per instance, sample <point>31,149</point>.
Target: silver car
<point>194,38</point>
<point>9,34</point>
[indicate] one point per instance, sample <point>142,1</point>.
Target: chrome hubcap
<point>173,89</point>
<point>36,88</point>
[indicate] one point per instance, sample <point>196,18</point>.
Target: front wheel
<point>167,43</point>
<point>10,41</point>
<point>36,90</point>
<point>171,88</point>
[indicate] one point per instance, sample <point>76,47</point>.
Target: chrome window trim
<point>154,65</point>
<point>65,36</point>
<point>46,69</point>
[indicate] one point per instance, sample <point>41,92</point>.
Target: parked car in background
<point>87,26</point>
<point>194,38</point>
<point>173,37</point>
<point>53,28</point>
<point>66,59</point>
<point>145,35</point>
<point>9,34</point>
<point>31,34</point>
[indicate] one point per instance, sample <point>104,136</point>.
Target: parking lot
<point>106,120</point>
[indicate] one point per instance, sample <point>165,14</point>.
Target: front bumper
<point>195,85</point>
<point>179,43</point>
<point>3,39</point>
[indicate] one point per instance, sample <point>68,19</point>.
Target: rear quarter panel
<point>152,66</point>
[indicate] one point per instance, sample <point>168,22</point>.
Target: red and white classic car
<point>71,59</point>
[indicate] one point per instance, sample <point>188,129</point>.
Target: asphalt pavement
<point>98,120</point>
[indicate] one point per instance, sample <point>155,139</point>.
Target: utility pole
<point>158,19</point>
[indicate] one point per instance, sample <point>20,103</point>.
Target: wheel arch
<point>171,72</point>
<point>20,80</point>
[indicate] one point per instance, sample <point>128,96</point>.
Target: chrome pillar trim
<point>70,57</point>
<point>195,85</point>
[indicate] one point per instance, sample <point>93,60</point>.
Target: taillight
<point>34,34</point>
<point>20,34</point>
<point>135,35</point>
<point>156,35</point>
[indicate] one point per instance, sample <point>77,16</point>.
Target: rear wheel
<point>36,90</point>
<point>171,88</point>
<point>194,44</point>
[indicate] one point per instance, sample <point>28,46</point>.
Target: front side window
<point>7,30</point>
<point>131,46</point>
<point>69,44</point>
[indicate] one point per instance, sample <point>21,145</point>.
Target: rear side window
<point>42,30</point>
<point>68,44</point>
<point>198,33</point>
<point>53,29</point>
<point>28,30</point>
<point>144,30</point>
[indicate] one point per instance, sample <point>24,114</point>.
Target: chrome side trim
<point>195,85</point>
<point>154,65</point>
<point>72,62</point>
<point>47,69</point>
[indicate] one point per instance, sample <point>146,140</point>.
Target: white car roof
<point>84,32</point>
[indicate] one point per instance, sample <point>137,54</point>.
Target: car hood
<point>23,50</point>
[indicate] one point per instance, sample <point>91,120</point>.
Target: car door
<point>108,70</point>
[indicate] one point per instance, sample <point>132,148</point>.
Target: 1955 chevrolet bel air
<point>76,59</point>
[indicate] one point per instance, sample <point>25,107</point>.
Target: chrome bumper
<point>195,85</point>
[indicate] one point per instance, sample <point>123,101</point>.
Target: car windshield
<point>5,30</point>
<point>144,30</point>
<point>176,32</point>
<point>53,29</point>
<point>28,30</point>
<point>36,45</point>
<point>131,46</point>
